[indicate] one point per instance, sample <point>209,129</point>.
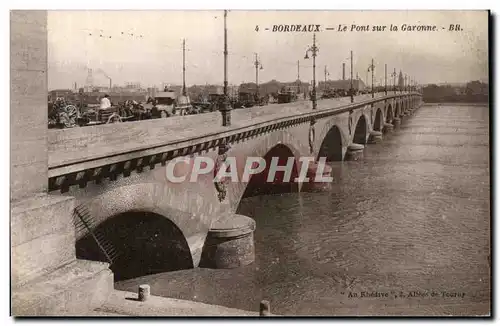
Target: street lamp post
<point>394,75</point>
<point>326,74</point>
<point>314,50</point>
<point>366,79</point>
<point>372,69</point>
<point>352,88</point>
<point>298,77</point>
<point>385,79</point>
<point>184,67</point>
<point>225,109</point>
<point>257,63</point>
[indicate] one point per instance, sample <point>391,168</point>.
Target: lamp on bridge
<point>385,80</point>
<point>225,109</point>
<point>258,65</point>
<point>351,90</point>
<point>314,50</point>
<point>371,68</point>
<point>394,75</point>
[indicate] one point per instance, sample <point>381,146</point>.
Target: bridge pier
<point>354,152</point>
<point>375,137</point>
<point>229,243</point>
<point>388,128</point>
<point>396,122</point>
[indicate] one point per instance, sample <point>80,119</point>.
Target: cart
<point>98,116</point>
<point>62,114</point>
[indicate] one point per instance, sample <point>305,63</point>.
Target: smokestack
<point>110,84</point>
<point>343,71</point>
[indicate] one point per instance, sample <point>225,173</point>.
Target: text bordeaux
<point>296,28</point>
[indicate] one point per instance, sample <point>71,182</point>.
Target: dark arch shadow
<point>396,113</point>
<point>377,125</point>
<point>331,147</point>
<point>145,243</point>
<point>258,184</point>
<point>389,115</point>
<point>360,131</point>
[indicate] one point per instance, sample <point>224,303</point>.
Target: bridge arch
<point>332,145</point>
<point>360,132</point>
<point>140,243</point>
<point>258,185</point>
<point>378,124</point>
<point>158,199</point>
<point>260,147</point>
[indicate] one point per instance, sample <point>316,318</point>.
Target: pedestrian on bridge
<point>105,102</point>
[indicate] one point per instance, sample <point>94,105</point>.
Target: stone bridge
<point>115,169</point>
<point>66,185</point>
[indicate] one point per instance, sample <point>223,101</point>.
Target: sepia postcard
<point>250,163</point>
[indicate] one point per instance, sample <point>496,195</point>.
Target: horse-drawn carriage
<point>287,95</point>
<point>63,114</point>
<point>166,104</point>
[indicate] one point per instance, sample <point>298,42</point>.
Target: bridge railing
<point>77,149</point>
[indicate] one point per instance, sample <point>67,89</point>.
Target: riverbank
<point>125,304</point>
<point>455,104</point>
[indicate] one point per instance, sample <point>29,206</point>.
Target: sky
<point>146,46</point>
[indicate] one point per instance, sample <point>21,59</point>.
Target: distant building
<point>65,93</point>
<point>133,86</point>
<point>152,91</point>
<point>476,88</point>
<point>213,89</point>
<point>357,84</point>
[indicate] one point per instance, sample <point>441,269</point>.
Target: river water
<point>404,231</point>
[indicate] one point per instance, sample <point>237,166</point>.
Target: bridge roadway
<point>73,150</point>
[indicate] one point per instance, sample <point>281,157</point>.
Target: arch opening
<point>389,115</point>
<point>377,125</point>
<point>144,243</point>
<point>360,131</point>
<point>258,184</point>
<point>331,147</point>
<point>396,114</point>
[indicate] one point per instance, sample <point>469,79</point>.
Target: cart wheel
<point>69,116</point>
<point>72,110</point>
<point>65,120</point>
<point>114,118</point>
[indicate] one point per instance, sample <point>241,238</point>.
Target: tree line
<point>472,92</point>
